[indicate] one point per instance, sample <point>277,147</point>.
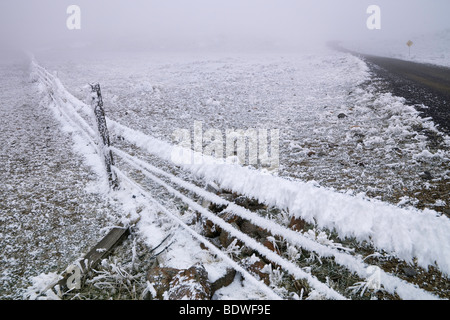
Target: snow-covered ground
<point>342,143</point>
<point>433,48</point>
<point>378,148</point>
<point>47,215</point>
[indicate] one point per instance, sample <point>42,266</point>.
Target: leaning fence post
<point>99,113</point>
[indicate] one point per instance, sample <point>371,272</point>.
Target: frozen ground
<point>377,148</point>
<point>430,48</point>
<point>336,131</point>
<point>47,215</point>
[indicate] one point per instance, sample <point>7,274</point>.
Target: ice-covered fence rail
<point>353,263</point>
<point>296,271</point>
<point>407,233</point>
<point>99,112</point>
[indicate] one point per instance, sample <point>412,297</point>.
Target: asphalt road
<point>420,84</point>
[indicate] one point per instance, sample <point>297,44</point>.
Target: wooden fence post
<point>99,113</point>
<point>102,250</point>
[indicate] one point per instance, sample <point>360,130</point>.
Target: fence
<point>173,184</point>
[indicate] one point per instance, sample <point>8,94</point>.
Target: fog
<point>213,23</point>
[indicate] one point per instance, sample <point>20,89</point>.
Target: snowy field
<point>352,158</point>
<point>378,148</point>
<point>47,214</point>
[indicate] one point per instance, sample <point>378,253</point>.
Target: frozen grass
<point>302,94</point>
<point>379,148</point>
<point>432,48</point>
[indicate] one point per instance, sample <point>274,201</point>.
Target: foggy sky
<point>296,22</point>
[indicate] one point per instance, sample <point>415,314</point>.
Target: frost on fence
<point>99,112</point>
